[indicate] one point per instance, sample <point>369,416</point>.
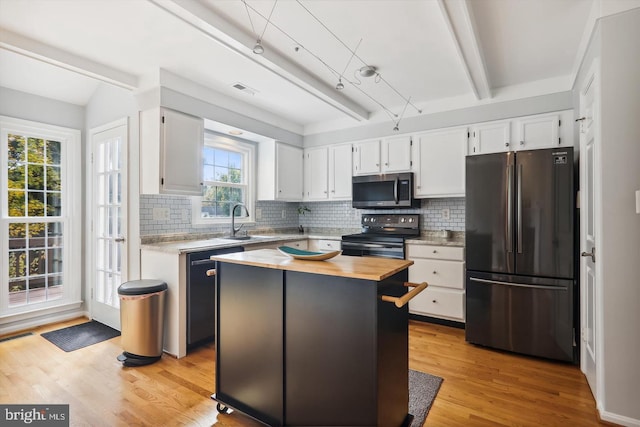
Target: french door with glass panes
<point>40,217</point>
<point>109,220</point>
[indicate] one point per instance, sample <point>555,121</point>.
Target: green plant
<point>303,209</point>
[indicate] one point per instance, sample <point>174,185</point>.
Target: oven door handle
<point>401,301</point>
<point>371,245</point>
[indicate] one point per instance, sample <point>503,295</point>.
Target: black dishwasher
<point>201,295</point>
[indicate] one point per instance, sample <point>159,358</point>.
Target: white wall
<point>22,105</point>
<point>483,113</point>
<point>620,239</point>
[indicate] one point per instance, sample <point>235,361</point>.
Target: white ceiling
<point>435,53</point>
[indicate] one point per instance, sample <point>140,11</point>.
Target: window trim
<point>71,218</point>
<point>249,155</point>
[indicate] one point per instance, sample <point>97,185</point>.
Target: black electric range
<point>382,235</point>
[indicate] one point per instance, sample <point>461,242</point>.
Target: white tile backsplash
<point>323,215</point>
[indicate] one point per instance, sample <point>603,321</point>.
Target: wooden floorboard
<point>481,387</point>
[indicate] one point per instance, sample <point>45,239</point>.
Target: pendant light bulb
<point>340,85</point>
<point>258,49</point>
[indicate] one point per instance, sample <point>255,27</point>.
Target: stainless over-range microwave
<point>386,191</point>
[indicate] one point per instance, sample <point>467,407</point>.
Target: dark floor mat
<point>79,336</point>
<point>423,389</point>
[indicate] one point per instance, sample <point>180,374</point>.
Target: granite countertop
<point>367,268</point>
<point>202,244</point>
<point>436,238</point>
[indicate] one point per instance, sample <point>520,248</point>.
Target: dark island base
<point>288,340</point>
<point>223,408</point>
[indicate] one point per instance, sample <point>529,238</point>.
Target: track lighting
<point>258,49</point>
<point>368,71</point>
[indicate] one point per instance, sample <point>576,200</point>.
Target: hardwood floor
<point>481,387</point>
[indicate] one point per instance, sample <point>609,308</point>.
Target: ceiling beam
<point>459,20</point>
<point>63,59</point>
<point>200,17</point>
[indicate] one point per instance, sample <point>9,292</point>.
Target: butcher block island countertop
<point>367,268</point>
<point>313,343</point>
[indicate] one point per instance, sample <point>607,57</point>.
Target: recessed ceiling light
<point>235,132</point>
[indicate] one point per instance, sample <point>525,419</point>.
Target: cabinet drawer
<point>298,244</point>
<point>326,245</point>
<point>439,302</point>
<point>449,274</point>
<point>439,252</point>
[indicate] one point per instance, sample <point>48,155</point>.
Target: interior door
<point>589,287</point>
<point>109,220</point>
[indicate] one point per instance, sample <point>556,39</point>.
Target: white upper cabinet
<point>316,173</point>
<point>440,163</point>
<point>340,165</point>
<point>279,172</point>
<point>366,157</point>
<point>327,173</point>
<point>171,152</point>
<point>490,137</point>
<point>523,133</point>
<point>396,154</point>
<point>388,155</point>
<point>538,132</point>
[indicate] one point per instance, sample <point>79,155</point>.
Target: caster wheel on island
<point>222,409</point>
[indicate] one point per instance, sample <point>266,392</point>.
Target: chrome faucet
<point>234,230</point>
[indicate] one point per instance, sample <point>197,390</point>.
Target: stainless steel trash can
<point>142,321</point>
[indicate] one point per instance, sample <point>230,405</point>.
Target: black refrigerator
<point>520,252</point>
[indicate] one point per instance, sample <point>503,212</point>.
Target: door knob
<point>592,254</point>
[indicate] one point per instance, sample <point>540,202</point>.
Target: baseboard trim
<point>610,418</point>
<point>27,324</point>
<point>436,320</point>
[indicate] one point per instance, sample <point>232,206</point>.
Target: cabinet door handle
<point>401,301</point>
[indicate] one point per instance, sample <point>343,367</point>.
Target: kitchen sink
<point>244,238</point>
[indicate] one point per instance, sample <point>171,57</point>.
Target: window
<point>39,222</point>
<point>227,177</point>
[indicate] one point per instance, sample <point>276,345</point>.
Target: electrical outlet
<point>284,213</point>
<point>258,213</point>
<point>161,214</point>
<point>446,213</point>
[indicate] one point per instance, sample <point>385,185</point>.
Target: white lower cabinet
<point>442,267</point>
<point>319,245</point>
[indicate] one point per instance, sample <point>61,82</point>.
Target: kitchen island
<point>304,342</point>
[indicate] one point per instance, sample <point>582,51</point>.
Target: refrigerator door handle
<point>519,285</point>
<point>509,208</point>
<point>519,207</point>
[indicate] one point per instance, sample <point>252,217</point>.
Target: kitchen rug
<point>79,336</point>
<point>422,391</point>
